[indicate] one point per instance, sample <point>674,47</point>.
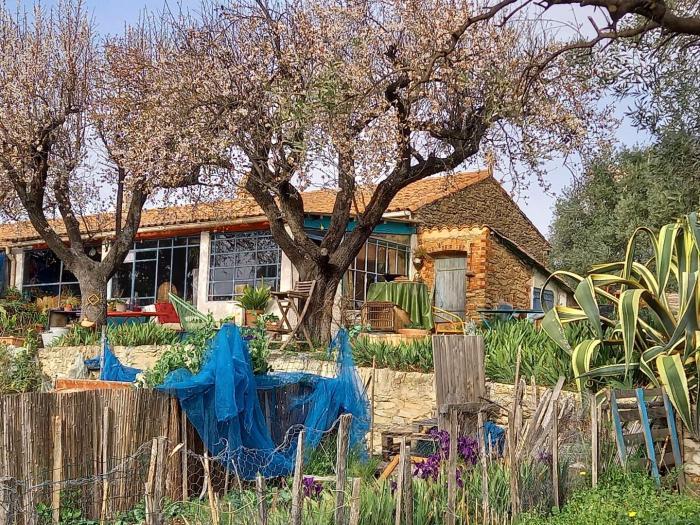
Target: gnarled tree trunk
<point>321,306</point>
<point>93,294</point>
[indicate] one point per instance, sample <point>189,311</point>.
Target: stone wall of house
<point>508,278</point>
<point>486,203</point>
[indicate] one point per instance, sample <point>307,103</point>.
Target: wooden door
<point>451,284</point>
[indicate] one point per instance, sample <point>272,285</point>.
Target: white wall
<point>560,293</point>
<point>18,263</point>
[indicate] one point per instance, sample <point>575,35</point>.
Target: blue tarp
<point>112,369</point>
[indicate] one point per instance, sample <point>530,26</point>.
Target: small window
<point>548,298</point>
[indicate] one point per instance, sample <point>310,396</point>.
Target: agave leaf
<point>581,358</point>
<point>585,297</point>
<point>673,377</point>
<point>629,253</point>
<point>629,313</point>
<point>617,369</point>
<point>647,357</point>
<point>664,255</point>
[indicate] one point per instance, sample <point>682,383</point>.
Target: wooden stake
<point>151,518</point>
<point>341,468</point>
<point>105,463</point>
<point>184,452</point>
<point>371,413</point>
<point>355,502</point>
<point>555,451</point>
<point>595,451</point>
<point>481,436</point>
<point>451,517</point>
<point>400,483</point>
<point>297,483</point>
<point>210,491</point>
<point>260,492</point>
<point>407,486</point>
<point>57,474</point>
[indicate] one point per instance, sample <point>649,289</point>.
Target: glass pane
<point>141,245</point>
<point>359,286</point>
<point>266,271</point>
<point>268,257</point>
<point>267,243</point>
<point>145,279</point>
<point>192,272</point>
<point>391,255</point>
<point>146,255</point>
<point>121,282</point>
<point>402,266</point>
<point>180,241</point>
<point>245,244</point>
<point>361,257</point>
<point>221,274</point>
<point>41,266</point>
<point>178,270</point>
<point>371,257</point>
<point>68,277</point>
<point>239,287</point>
<point>224,261</point>
<point>245,258</point>
<point>244,273</point>
<point>70,289</point>
<point>41,291</point>
<point>221,291</point>
<point>164,267</point>
<point>381,260</point>
<point>224,246</point>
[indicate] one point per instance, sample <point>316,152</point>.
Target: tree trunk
<point>93,293</point>
<point>319,315</point>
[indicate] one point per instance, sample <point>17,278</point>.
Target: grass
<point>415,356</point>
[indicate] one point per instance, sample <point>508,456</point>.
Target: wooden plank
<point>648,437</point>
<point>260,495</point>
<point>105,463</point>
<point>341,468</point>
<point>555,453</point>
<point>632,414</point>
<point>451,516</point>
<point>57,472</point>
<point>675,443</point>
<point>593,406</point>
<point>355,502</point>
<point>637,438</point>
<point>407,484</point>
<point>485,510</point>
<point>298,481</point>
<point>617,424</point>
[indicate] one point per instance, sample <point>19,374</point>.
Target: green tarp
<point>409,296</point>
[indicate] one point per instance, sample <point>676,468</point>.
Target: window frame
<point>537,295</point>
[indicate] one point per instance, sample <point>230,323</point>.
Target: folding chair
<point>287,302</point>
<point>190,318</point>
<point>447,322</point>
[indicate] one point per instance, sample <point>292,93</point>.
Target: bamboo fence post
<point>594,440</point>
<point>451,517</point>
<point>481,436</point>
<point>260,492</point>
<point>513,420</point>
<point>151,518</point>
<point>297,483</point>
<point>555,451</point>
<point>160,479</point>
<point>210,491</point>
<point>8,500</point>
<point>105,463</point>
<point>407,486</point>
<point>341,468</point>
<point>399,484</point>
<point>185,455</point>
<point>57,473</point>
<point>371,413</point>
<point>355,502</point>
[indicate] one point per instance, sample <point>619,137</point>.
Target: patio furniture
<point>290,301</point>
<point>412,297</point>
<point>447,322</point>
<point>58,317</point>
<point>166,313</point>
<point>383,316</point>
<point>190,318</point>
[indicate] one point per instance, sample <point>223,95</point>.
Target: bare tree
<point>374,95</point>
<point>64,98</point>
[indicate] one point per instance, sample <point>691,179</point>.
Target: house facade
<point>461,234</point>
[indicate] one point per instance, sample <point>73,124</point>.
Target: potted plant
<point>254,301</point>
<point>116,305</point>
<point>70,303</point>
<point>419,255</point>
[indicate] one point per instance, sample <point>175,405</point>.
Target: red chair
<point>166,313</point>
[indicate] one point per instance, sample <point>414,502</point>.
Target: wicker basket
<point>383,316</point>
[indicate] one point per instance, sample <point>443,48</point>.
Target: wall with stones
<point>486,204</point>
<point>508,278</point>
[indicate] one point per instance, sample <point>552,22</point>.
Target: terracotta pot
<point>120,307</point>
<point>414,332</point>
<point>12,340</point>
<point>251,316</point>
<point>67,308</point>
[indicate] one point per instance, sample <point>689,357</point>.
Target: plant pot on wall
<point>251,317</point>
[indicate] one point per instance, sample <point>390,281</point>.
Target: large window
<point>242,259</point>
<point>165,264</point>
<point>377,258</point>
<point>44,273</point>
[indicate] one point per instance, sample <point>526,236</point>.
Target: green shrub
<point>20,370</point>
<point>416,356</point>
<point>130,334</point>
<point>255,298</point>
<point>623,498</point>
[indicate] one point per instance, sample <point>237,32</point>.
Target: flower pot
<point>251,316</point>
<point>414,332</point>
<point>12,340</point>
<point>120,307</point>
<point>68,308</point>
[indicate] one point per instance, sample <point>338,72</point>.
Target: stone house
<point>462,234</point>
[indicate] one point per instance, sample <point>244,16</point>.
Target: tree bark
<point>93,294</point>
<point>319,317</point>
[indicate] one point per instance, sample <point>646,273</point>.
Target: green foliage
<point>18,316</point>
<point>643,340</point>
<point>20,370</point>
<point>187,354</point>
<point>623,498</point>
<point>69,514</point>
<point>621,191</point>
<point>128,334</point>
<point>255,298</point>
<point>416,356</point>
<point>259,343</point>
<point>541,358</point>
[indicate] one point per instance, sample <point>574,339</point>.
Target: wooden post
<point>555,451</point>
<point>371,413</point>
<point>9,495</point>
<point>57,473</point>
<point>185,456</point>
<point>151,518</point>
<point>262,506</point>
<point>105,463</point>
<point>210,491</point>
<point>297,483</point>
<point>355,502</point>
<point>400,483</point>
<point>481,436</point>
<point>407,485</point>
<point>341,468</point>
<point>451,517</point>
<point>513,429</point>
<point>595,451</point>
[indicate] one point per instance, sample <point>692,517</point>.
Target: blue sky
<point>111,16</point>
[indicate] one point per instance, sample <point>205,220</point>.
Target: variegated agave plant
<point>645,340</point>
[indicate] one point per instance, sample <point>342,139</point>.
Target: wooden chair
<point>190,318</point>
<point>447,322</point>
<point>290,301</point>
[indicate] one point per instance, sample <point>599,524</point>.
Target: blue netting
<point>112,369</point>
<point>222,402</point>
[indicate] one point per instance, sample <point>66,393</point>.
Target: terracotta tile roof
<point>319,202</point>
